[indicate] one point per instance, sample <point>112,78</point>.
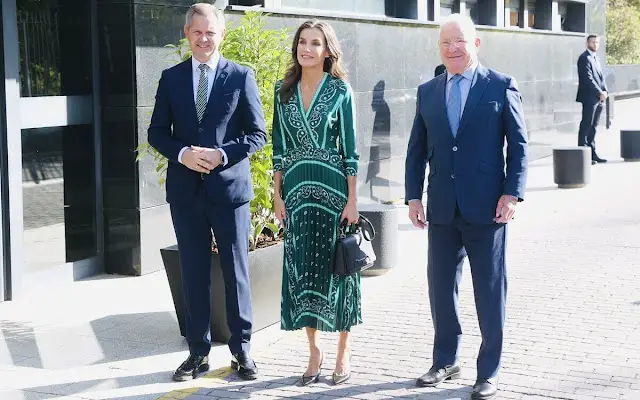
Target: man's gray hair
<point>465,23</point>
<point>205,9</point>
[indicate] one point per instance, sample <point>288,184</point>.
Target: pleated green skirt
<point>315,194</point>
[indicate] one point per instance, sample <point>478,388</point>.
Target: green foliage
<point>266,52</point>
<point>623,32</point>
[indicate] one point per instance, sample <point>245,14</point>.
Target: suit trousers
<point>485,246</point>
<point>590,119</point>
<point>194,222</point>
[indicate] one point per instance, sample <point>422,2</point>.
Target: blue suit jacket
<point>590,80</point>
<point>233,121</point>
<point>468,170</point>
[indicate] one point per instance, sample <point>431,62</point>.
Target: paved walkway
<point>572,329</point>
<point>573,309</point>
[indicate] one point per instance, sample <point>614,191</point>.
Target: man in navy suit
<point>592,93</point>
<point>462,120</point>
<point>207,121</point>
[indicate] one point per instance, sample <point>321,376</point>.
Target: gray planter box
<point>265,274</point>
<point>384,219</point>
<point>630,145</point>
<point>572,167</point>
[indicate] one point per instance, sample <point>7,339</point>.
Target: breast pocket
<point>488,114</point>
<point>491,106</point>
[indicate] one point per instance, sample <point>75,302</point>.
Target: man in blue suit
<point>592,93</point>
<point>462,120</point>
<point>207,121</point>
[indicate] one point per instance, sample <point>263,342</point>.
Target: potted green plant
<point>265,51</point>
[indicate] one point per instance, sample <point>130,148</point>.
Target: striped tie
<point>203,86</point>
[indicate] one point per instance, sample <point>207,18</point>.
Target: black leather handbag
<point>354,252</point>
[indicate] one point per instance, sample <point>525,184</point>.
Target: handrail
<point>629,94</point>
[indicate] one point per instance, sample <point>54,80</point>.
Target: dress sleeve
<point>348,147</point>
<point>277,134</point>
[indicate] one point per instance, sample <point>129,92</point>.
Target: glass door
<point>60,213</point>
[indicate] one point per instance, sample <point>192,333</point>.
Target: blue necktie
<point>454,105</point>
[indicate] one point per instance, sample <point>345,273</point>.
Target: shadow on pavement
<point>107,384</point>
<point>108,339</point>
<point>406,389</point>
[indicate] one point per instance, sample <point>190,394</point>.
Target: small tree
<point>623,32</point>
<point>266,52</point>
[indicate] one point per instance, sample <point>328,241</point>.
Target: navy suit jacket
<point>233,121</point>
<point>468,170</point>
<point>590,80</point>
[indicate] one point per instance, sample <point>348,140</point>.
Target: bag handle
<point>368,231</point>
<point>363,224</point>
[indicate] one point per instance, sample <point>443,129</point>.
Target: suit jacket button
<point>455,148</point>
<point>200,130</point>
<point>453,176</point>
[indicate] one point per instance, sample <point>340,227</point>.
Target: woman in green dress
<point>316,162</point>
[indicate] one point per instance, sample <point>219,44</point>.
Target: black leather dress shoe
<point>484,390</point>
<point>243,363</point>
<point>437,375</point>
<point>598,159</point>
<point>193,366</point>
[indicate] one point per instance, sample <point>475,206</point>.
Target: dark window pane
<point>59,195</point>
<point>55,47</point>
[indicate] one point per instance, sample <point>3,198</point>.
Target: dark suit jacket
<point>233,121</point>
<point>440,69</point>
<point>468,170</point>
<point>590,80</point>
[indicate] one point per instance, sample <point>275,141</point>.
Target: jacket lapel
<point>216,91</point>
<point>596,66</point>
<point>188,85</point>
<point>475,94</point>
<point>441,87</point>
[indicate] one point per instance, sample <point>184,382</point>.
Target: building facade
<point>77,87</point>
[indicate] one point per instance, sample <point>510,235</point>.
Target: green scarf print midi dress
<point>316,151</point>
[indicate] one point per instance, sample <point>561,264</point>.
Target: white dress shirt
<point>211,76</point>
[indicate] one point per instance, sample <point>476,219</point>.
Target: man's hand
<point>603,96</point>
<point>416,214</point>
<point>212,156</point>
<point>505,209</point>
<point>196,161</point>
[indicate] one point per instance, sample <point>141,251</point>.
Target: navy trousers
<point>448,246</point>
<point>194,223</point>
<point>589,124</point>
